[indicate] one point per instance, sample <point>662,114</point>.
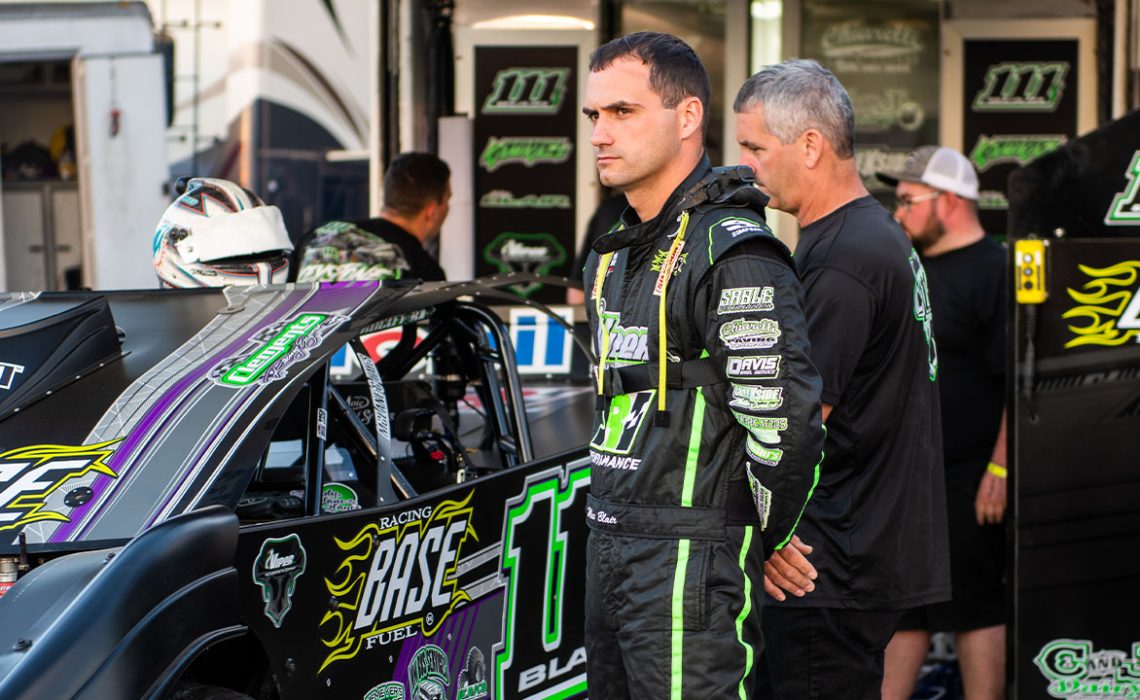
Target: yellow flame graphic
<point>76,460</point>
<point>348,581</point>
<point>1102,301</point>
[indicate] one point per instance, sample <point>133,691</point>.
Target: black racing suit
<point>687,502</point>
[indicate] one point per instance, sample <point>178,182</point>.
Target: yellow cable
<point>663,286</point>
<point>599,280</point>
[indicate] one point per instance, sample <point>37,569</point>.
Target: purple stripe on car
<point>236,407</point>
<point>124,455</point>
<point>450,628</point>
<point>330,297</point>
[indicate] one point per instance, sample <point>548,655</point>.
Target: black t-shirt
<point>967,292</point>
<point>877,518</point>
<point>362,250</point>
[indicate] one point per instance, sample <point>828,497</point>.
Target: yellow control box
<point>1029,271</point>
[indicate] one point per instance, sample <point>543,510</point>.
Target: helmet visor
<point>242,233</point>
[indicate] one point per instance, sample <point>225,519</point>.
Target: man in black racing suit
<point>708,438</point>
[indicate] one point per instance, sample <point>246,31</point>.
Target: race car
<point>195,510</point>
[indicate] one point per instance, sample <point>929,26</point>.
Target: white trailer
<point>93,65</point>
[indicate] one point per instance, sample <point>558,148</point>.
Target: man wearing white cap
<point>936,204</point>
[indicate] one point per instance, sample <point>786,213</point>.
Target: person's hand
<point>789,569</point>
<point>989,505</point>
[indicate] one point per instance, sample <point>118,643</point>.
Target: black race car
<point>194,509</point>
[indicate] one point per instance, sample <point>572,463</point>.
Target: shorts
<point>823,653</point>
<point>977,563</point>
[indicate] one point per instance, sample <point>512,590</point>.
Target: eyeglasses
<point>904,202</point>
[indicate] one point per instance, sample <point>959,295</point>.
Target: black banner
<point>525,133</point>
<point>1075,494</point>
<point>1089,188</point>
<point>886,56</point>
<point>1020,101</point>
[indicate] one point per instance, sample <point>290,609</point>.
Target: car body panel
<point>470,589</point>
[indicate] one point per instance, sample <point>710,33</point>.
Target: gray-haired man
<point>877,522</point>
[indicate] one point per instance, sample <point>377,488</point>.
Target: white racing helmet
<point>218,233</point>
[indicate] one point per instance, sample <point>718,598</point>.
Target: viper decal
<point>31,476</point>
<point>279,564</point>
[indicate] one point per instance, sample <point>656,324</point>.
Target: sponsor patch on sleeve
<point>750,334</point>
<point>739,300</point>
<point>763,454</point>
<point>766,429</point>
<point>735,226</point>
<point>756,398</point>
<point>762,497</point>
<point>753,367</point>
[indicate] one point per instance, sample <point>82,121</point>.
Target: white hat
<point>940,167</point>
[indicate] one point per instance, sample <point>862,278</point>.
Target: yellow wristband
<point>997,470</point>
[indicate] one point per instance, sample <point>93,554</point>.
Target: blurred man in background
<point>417,193</point>
<point>936,194</point>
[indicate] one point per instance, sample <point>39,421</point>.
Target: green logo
<point>617,434</point>
<point>994,150</point>
<point>659,260</point>
<point>392,690</point>
<point>503,199</point>
<point>338,498</point>
<point>1074,670</point>
<point>535,658</point>
<point>746,334</point>
<point>526,150</point>
<point>628,344</point>
<point>762,453</point>
<point>1016,86</point>
<point>761,422</point>
<point>532,253</point>
<point>472,681</point>
<point>860,41</point>
<point>428,676</point>
<point>1125,207</point>
<point>923,313</point>
<point>278,565</point>
<point>877,112</point>
<point>992,200</point>
<point>527,91</point>
<point>750,397</point>
<point>762,429</point>
<point>470,692</point>
<point>250,369</point>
